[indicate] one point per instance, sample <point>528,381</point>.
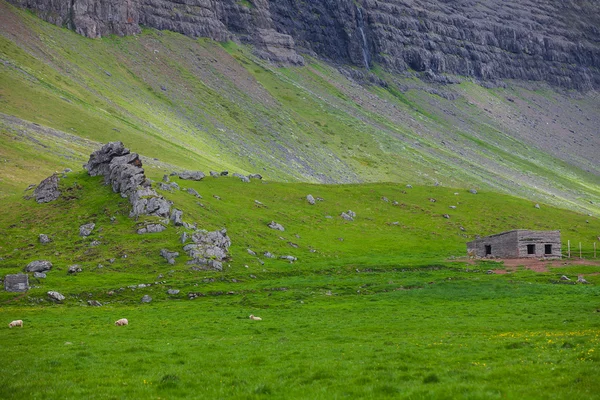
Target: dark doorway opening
<point>488,249</point>
<point>548,249</point>
<point>531,249</point>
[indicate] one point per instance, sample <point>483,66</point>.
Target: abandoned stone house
<point>519,243</point>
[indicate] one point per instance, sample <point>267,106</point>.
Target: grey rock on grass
<point>86,229</point>
<point>56,296</point>
<point>38,266</point>
<point>310,199</point>
<point>276,226</point>
<point>44,239</point>
<point>47,190</point>
<point>192,175</point>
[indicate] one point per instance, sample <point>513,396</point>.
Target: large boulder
<point>310,199</point>
<point>145,201</point>
<point>38,266</point>
<point>47,190</point>
<point>99,162</point>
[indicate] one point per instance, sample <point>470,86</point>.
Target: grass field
<point>384,312</point>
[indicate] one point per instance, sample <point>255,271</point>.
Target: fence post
<point>569,248</point>
<point>580,251</point>
<point>594,249</point>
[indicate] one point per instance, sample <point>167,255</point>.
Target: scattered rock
<point>446,216</point>
<point>95,243</point>
<point>268,254</point>
<point>146,299</point>
<point>94,303</point>
<point>409,186</point>
<point>349,215</point>
<point>194,193</point>
<point>44,239</point>
<point>242,177</point>
<point>453,207</point>
<point>537,206</point>
<point>166,178</point>
<point>152,228</point>
<point>86,230</point>
<point>255,176</point>
<point>47,190</point>
<point>38,266</point>
<point>385,199</point>
<point>319,199</point>
<point>472,191</point>
<point>258,203</point>
<point>191,175</point>
<point>252,253</point>
<point>395,203</point>
<point>292,244</point>
<point>581,279</point>
<point>183,238</point>
<point>214,174</point>
<point>564,278</point>
<point>39,275</point>
<point>310,199</point>
<point>432,200</point>
<point>489,272</point>
<point>170,256</point>
<point>176,217</point>
<point>173,292</point>
<point>224,173</point>
<point>276,226</point>
<point>55,296</point>
<point>216,197</point>
<point>73,269</point>
<point>289,258</point>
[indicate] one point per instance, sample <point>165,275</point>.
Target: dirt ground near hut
<point>534,264</point>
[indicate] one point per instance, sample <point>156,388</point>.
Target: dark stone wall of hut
<point>503,245</point>
<point>16,283</point>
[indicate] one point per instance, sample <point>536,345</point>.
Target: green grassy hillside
<point>203,105</point>
<point>385,306</point>
<point>378,310</point>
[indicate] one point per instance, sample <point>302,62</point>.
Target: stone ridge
<point>557,41</point>
<point>123,171</point>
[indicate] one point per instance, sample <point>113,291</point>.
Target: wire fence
<point>581,250</point>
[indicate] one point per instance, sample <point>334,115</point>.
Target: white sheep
<point>252,317</point>
<point>121,322</point>
<point>16,323</point>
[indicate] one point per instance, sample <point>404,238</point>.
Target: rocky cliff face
<point>557,41</point>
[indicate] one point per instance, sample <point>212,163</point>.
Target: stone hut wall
<point>539,240</point>
<point>517,244</point>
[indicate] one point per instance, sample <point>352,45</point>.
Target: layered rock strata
<point>540,40</point>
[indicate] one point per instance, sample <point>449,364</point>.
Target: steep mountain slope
<point>197,104</point>
<point>542,40</point>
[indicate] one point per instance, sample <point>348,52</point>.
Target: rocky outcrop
<point>540,40</point>
<point>91,18</point>
<point>123,171</point>
<point>209,249</point>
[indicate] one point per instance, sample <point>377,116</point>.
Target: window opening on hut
<point>488,249</point>
<point>548,249</point>
<point>531,249</point>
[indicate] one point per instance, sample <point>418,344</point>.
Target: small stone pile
<point>209,249</point>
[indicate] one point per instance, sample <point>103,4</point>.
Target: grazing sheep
<point>121,322</point>
<point>255,318</point>
<point>16,323</point>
